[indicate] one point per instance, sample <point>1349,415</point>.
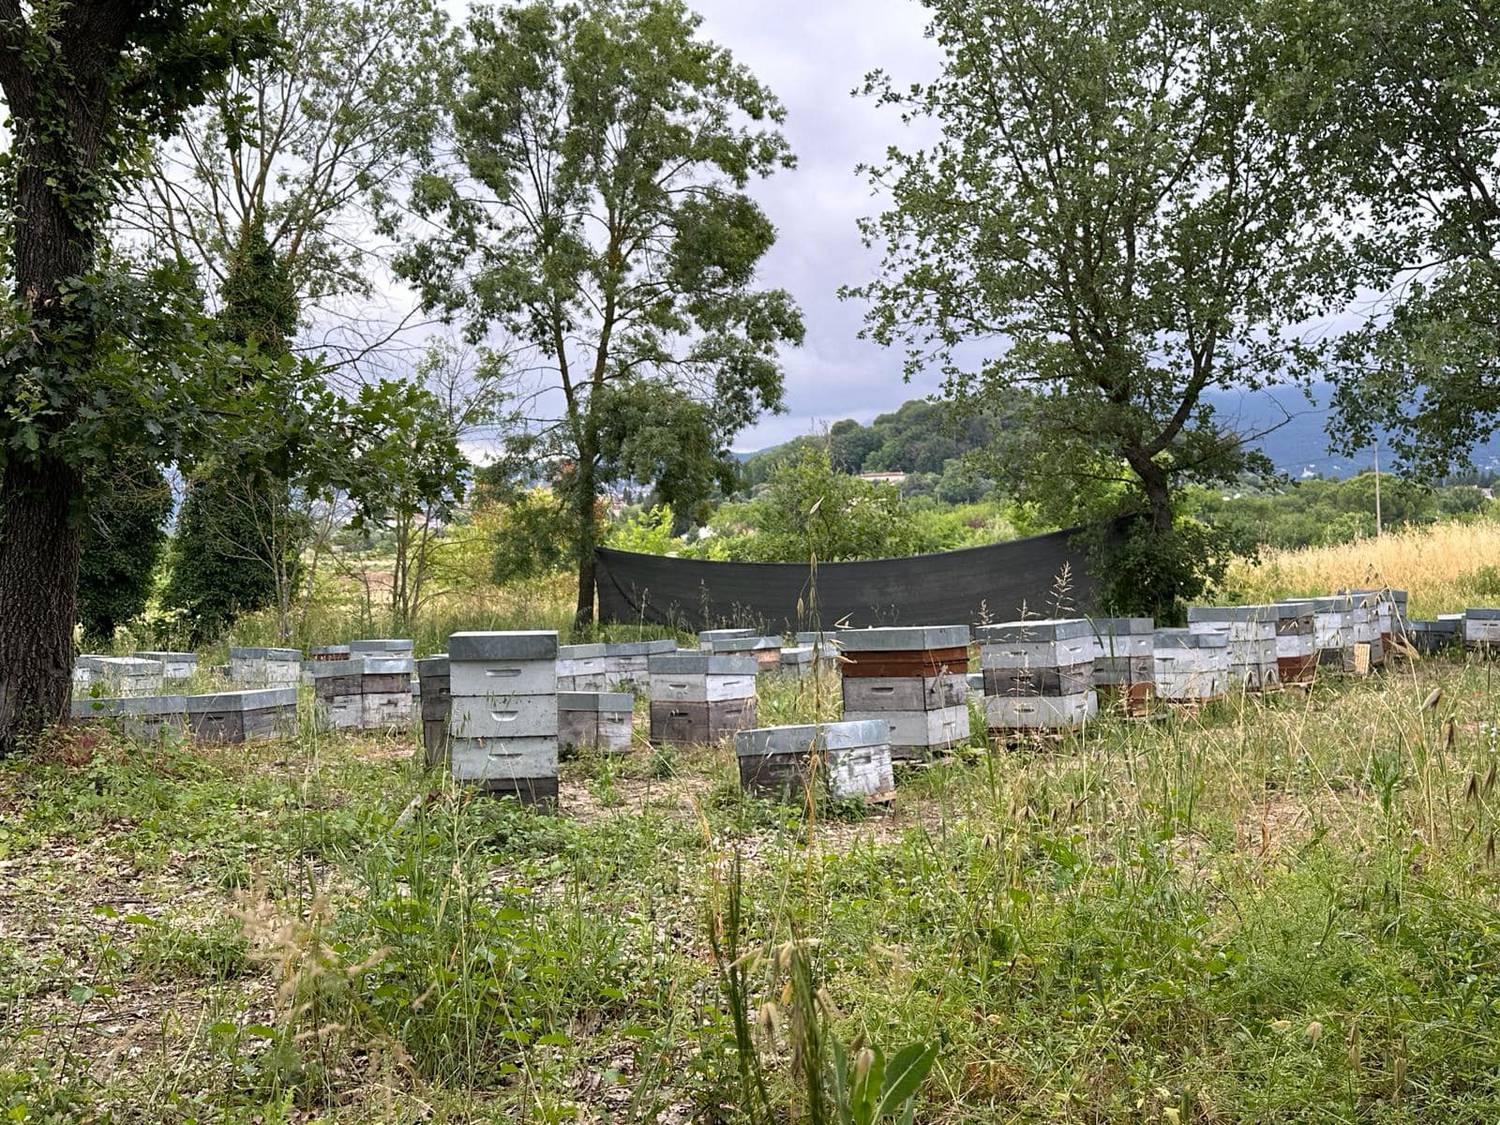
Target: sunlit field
<point>1447,567</point>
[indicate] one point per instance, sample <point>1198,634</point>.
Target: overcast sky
<point>812,53</point>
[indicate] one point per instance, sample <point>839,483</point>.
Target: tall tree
<point>315,144</point>
<point>1403,98</point>
<point>237,538</point>
<point>85,84</point>
<point>406,474</point>
<point>1106,226</point>
<point>596,213</point>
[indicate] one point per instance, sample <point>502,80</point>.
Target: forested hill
<point>923,435</point>
<point>920,437</point>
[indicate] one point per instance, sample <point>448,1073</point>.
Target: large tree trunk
<point>1157,489</point>
<point>39,543</point>
<point>588,538</point>
<point>39,532</point>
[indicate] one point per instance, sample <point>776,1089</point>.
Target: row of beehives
<point>223,716</point>
<point>1034,674</point>
<point>501,706</point>
<point>492,709</point>
<point>147,673</point>
<point>625,666</point>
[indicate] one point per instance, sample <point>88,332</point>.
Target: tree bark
<point>588,537</point>
<point>57,133</point>
<point>39,549</point>
<point>1156,487</point>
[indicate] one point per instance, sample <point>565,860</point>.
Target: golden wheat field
<point>1447,568</point>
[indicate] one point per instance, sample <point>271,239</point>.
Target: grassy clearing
<point>1284,909</point>
<point>1448,567</point>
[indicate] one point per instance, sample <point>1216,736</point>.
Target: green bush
<point>123,534</point>
<point>220,567</point>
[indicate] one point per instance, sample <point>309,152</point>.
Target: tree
<point>405,474</point>
<point>849,444</point>
<point>85,85</point>
<point>123,535</point>
<point>309,144</point>
<point>238,538</point>
<point>595,212</point>
<point>1109,224</point>
<point>1403,98</point>
<point>811,509</point>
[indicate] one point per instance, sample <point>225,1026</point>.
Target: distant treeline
<point>921,437</point>
<point>1319,512</point>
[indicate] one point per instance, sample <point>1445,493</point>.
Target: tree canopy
<point>1404,98</point>
<point>595,213</point>
<point>1109,223</point>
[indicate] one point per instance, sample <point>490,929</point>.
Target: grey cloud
<point>812,55</point>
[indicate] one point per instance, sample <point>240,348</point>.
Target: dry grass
<point>1447,568</point>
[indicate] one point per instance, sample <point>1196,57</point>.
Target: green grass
<point>1284,909</point>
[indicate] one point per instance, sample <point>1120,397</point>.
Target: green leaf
<point>841,1082</point>
<point>907,1069</point>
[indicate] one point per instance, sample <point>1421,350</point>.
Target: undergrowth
<point>1282,909</point>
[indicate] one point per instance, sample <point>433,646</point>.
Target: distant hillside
<point>1296,441</point>
<point>1299,447</point>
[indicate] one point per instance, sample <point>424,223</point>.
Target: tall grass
<point>1447,568</point>
<point>1284,908</point>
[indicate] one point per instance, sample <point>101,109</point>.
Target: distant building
<point>893,478</point>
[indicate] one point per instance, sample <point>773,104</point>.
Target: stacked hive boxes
<point>385,692</point>
<point>243,716</point>
<point>627,665</point>
<point>435,703</point>
<point>1333,631</point>
<point>765,650</point>
<point>1038,675</point>
<point>707,637</point>
<point>1251,633</point>
<point>914,678</point>
<point>381,646</point>
<point>848,759</point>
<point>825,647</point>
<point>1190,667</point>
<point>1296,642</point>
<point>768,653</point>
<point>595,721</point>
<point>1124,667</point>
<point>581,668</point>
<point>1434,636</point>
<point>608,667</point>
<point>124,676</point>
<point>363,692</point>
<point>1481,629</point>
<point>86,671</point>
<point>328,652</point>
<point>144,717</point>
<point>266,667</point>
<point>798,661</point>
<point>1389,606</point>
<point>503,714</point>
<point>699,697</point>
<point>226,716</point>
<point>338,696</point>
<point>175,666</point>
<point>1365,621</point>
